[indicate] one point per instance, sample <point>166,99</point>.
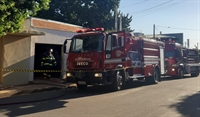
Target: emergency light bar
<point>90,30</point>
<point>99,29</point>
<point>171,41</point>
<point>80,31</point>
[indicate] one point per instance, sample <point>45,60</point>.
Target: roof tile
<point>49,24</point>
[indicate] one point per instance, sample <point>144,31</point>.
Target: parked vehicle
<point>180,60</point>
<point>99,58</point>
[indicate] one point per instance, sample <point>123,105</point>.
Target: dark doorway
<point>40,49</point>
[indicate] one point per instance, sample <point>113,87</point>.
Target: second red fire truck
<point>99,58</point>
<point>180,60</point>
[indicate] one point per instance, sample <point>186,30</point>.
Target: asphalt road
<point>169,98</point>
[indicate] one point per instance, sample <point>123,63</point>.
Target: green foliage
<point>126,20</point>
<point>87,13</point>
<point>14,12</point>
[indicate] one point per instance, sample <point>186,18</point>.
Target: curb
<point>33,97</point>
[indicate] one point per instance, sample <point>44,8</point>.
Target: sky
<point>169,16</point>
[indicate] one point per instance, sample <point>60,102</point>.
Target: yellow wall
<point>1,58</point>
<point>16,56</point>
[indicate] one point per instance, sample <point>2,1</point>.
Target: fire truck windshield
<point>87,43</point>
<point>169,54</point>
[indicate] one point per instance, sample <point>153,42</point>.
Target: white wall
<point>51,37</point>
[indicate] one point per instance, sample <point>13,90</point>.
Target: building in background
<point>177,36</point>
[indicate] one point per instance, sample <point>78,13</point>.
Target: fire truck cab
<point>99,58</point>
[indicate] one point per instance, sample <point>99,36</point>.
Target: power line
<point>162,8</point>
<point>152,7</point>
<point>135,4</point>
<point>178,28</point>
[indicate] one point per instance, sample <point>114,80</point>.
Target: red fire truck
<point>180,60</point>
<point>99,58</point>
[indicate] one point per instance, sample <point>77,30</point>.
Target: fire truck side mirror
<point>65,46</point>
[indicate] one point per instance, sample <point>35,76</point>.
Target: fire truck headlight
<point>98,75</point>
<point>173,69</point>
<point>69,74</point>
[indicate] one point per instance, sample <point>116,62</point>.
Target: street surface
<point>170,98</point>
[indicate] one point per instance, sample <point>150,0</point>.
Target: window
<point>169,54</point>
<point>134,56</point>
<point>87,43</point>
<point>108,45</point>
<point>78,45</point>
<point>117,42</point>
<point>177,53</point>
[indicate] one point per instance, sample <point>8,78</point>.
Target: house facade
<point>22,51</point>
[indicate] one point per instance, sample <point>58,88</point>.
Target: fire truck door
<point>162,59</point>
<point>115,40</point>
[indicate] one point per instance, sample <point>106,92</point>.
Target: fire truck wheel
<point>81,87</point>
<point>153,79</point>
<point>181,73</point>
<point>118,81</point>
<point>196,73</point>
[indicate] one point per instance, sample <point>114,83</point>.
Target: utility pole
<point>185,44</point>
<point>120,23</point>
<point>116,18</point>
<point>188,43</point>
<point>154,30</point>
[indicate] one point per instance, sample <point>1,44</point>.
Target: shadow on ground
<point>189,106</point>
<point>48,105</point>
<point>167,78</point>
<point>30,108</point>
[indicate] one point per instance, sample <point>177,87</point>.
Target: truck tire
<point>118,81</point>
<point>181,73</point>
<point>196,73</point>
<point>81,87</point>
<point>153,79</point>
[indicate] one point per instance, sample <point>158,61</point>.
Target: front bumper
<point>90,77</point>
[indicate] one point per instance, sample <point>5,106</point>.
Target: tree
<point>87,13</point>
<point>126,20</point>
<point>14,12</point>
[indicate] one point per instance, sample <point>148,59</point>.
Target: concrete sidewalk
<point>34,87</point>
